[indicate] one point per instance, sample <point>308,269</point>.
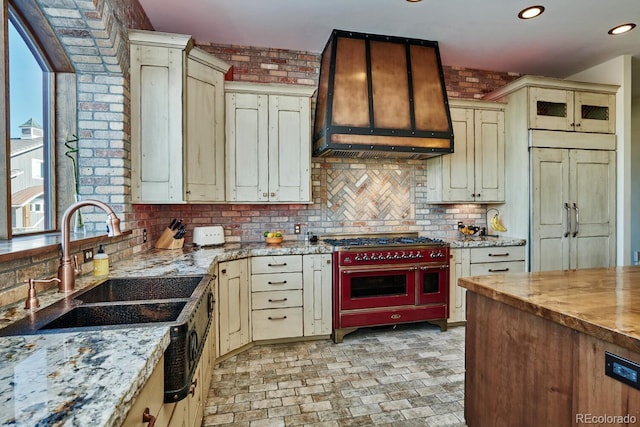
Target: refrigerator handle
<point>575,208</point>
<point>568,229</point>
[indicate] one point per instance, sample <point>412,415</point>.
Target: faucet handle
<point>32,298</point>
<point>76,267</point>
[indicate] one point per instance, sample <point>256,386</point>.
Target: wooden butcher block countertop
<point>603,303</point>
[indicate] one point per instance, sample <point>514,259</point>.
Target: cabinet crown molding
<point>208,60</point>
<point>269,88</point>
<point>551,83</point>
<point>160,39</point>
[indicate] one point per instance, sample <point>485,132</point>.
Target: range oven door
<point>376,287</point>
<point>433,284</point>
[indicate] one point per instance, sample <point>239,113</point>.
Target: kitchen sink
<point>184,304</point>
<point>139,289</point>
<point>120,302</point>
<point>117,314</point>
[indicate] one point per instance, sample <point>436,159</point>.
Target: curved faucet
<point>67,271</point>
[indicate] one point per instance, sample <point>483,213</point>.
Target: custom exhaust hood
<point>381,97</point>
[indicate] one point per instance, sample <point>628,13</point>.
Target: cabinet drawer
<point>276,282</point>
<point>497,254</point>
<point>277,323</point>
<point>276,264</point>
<point>497,268</point>
<point>276,299</point>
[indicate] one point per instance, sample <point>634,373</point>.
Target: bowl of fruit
<point>273,237</point>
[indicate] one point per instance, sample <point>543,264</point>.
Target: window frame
<point>60,86</point>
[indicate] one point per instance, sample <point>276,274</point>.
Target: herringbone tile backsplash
<point>375,193</point>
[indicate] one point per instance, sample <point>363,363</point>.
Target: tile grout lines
<point>411,375</point>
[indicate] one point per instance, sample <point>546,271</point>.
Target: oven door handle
<point>435,267</point>
<point>379,269</point>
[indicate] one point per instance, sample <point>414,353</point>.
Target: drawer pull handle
<point>504,254</point>
<point>277,318</point>
<point>148,418</point>
<point>277,300</point>
<point>277,265</point>
<point>498,270</point>
<point>277,283</point>
<point>396,316</point>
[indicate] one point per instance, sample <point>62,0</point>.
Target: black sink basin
<point>184,304</point>
<point>140,289</point>
<point>117,314</point>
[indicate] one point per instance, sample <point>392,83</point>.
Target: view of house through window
<point>31,164</point>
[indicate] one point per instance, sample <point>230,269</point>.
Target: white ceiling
<point>569,37</point>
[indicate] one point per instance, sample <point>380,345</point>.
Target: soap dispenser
<point>101,263</point>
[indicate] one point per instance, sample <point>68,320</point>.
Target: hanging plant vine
<point>71,151</point>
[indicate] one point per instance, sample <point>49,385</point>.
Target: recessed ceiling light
<point>414,1</point>
<point>621,29</point>
<point>531,12</point>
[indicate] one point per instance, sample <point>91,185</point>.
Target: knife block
<point>167,241</point>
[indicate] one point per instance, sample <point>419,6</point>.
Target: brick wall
<point>94,36</point>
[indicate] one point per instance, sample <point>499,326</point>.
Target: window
<point>31,189</point>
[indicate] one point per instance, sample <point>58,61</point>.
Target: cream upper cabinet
<point>474,172</point>
<point>177,120</point>
<point>569,110</point>
<point>268,142</point>
<point>204,130</point>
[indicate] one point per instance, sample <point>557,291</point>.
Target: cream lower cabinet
<point>276,297</point>
<point>317,290</point>
<point>479,262</point>
<point>232,307</point>
<point>177,120</point>
<point>268,142</point>
<point>150,399</point>
<point>474,172</point>
<point>574,223</point>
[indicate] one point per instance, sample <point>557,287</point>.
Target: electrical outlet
<point>296,228</point>
<point>87,254</point>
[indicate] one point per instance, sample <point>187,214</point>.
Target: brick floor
<point>410,375</point>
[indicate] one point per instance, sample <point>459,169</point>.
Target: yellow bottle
<point>101,263</point>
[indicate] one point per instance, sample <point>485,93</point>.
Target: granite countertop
<point>92,378</point>
<point>603,303</point>
<point>483,241</point>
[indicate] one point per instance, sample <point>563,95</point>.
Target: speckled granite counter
<point>91,378</point>
<point>484,242</point>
